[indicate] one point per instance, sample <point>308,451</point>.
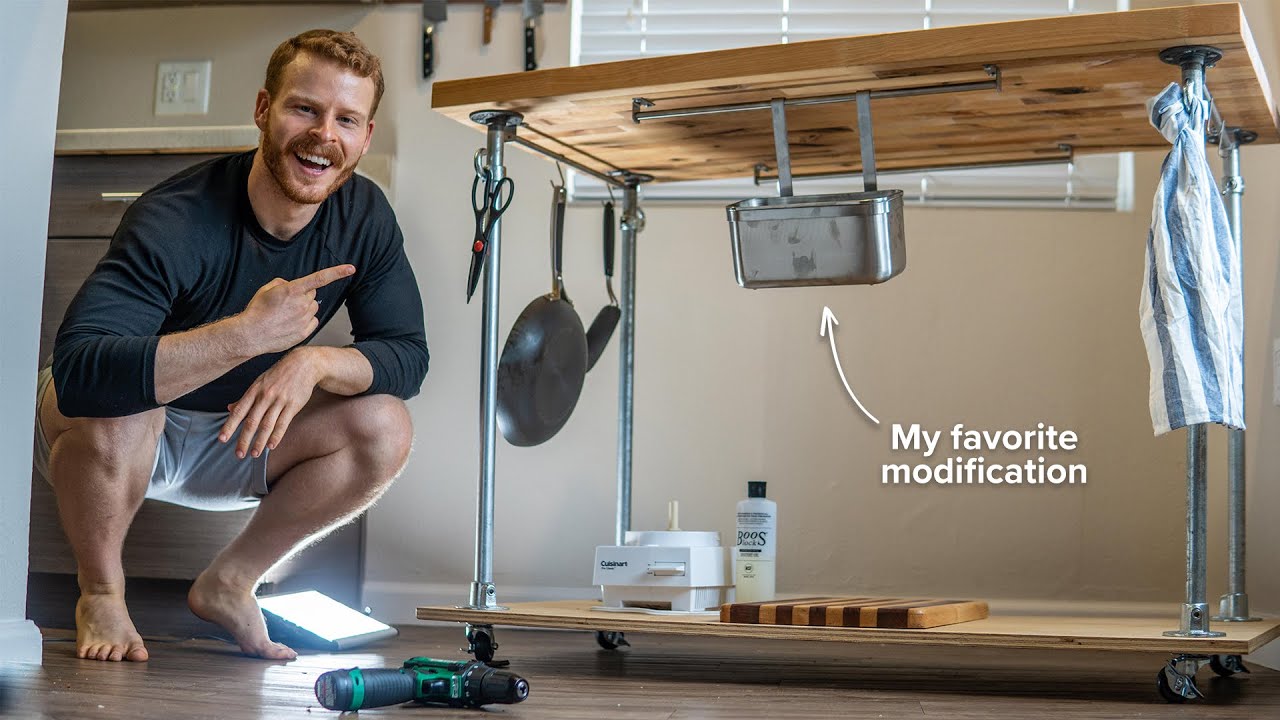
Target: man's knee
<point>114,441</point>
<point>381,429</point>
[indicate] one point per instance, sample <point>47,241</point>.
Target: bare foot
<point>104,630</point>
<point>237,611</point>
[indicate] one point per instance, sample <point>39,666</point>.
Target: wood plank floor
<point>659,677</point>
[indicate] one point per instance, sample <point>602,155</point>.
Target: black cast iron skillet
<point>544,360</point>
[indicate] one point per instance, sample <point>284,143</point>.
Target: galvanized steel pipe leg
<point>1234,606</point>
<point>1195,611</point>
<point>484,596</point>
<point>632,224</point>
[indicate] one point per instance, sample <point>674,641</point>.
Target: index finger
<point>320,278</point>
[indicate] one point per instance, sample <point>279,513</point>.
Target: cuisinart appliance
<point>677,570</point>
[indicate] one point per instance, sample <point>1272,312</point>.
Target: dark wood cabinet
<point>166,541</point>
<point>91,192</point>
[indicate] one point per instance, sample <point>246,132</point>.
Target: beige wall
<point>1003,319</point>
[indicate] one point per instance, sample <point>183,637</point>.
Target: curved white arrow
<point>827,330</point>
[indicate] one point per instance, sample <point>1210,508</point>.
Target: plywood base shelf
<point>1082,631</point>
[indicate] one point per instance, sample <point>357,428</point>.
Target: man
<point>180,370</point>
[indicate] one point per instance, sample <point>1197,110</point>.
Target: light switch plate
<point>182,88</point>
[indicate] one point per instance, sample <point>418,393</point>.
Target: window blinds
<point>611,30</point>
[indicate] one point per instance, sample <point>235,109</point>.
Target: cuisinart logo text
<point>607,564</point>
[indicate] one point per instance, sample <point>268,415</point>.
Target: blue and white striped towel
<point>1191,313</point>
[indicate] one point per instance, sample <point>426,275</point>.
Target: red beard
<point>277,159</point>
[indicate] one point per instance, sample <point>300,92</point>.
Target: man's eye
<point>305,108</point>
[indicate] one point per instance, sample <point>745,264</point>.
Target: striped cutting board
<point>855,612</point>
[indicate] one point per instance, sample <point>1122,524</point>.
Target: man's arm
<point>188,360</point>
<point>387,321</point>
<point>341,371</point>
<point>104,354</point>
<point>280,315</point>
<point>269,405</point>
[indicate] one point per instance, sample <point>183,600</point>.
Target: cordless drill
<point>421,679</point>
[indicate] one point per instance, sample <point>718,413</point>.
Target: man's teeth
<point>315,159</point>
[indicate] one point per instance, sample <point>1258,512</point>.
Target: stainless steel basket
<point>845,239</point>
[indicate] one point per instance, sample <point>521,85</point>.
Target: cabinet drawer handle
<point>124,197</point>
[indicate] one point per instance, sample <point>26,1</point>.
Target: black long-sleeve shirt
<point>190,251</point>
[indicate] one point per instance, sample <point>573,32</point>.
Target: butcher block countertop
<point>1079,80</point>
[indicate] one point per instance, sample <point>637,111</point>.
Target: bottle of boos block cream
<point>753,572</point>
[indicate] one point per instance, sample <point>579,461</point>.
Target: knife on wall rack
<point>532,16</point>
<point>490,9</point>
<point>434,12</point>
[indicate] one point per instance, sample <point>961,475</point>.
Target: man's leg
<point>99,469</point>
<point>337,458</point>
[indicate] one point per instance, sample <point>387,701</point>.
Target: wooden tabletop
<point>1079,80</point>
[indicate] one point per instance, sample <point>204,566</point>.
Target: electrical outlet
<point>182,88</point>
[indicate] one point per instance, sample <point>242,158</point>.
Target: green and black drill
<point>425,680</point>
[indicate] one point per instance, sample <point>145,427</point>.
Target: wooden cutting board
<point>855,612</point>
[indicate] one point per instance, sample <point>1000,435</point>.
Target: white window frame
<point>1092,182</point>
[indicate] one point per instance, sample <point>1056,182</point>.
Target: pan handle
<point>608,239</point>
<point>558,198</point>
<point>609,226</point>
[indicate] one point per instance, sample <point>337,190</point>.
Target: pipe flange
<point>630,178</point>
<point>497,118</point>
<point>1244,137</point>
<point>1182,55</point>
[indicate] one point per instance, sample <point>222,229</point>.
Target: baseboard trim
<point>21,642</point>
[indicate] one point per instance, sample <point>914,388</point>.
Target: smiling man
<point>181,370</point>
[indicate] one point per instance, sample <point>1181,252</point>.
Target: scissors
<point>488,207</point>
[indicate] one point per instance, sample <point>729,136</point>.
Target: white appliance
<point>676,570</point>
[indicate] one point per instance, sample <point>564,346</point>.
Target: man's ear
<point>261,106</point>
<point>368,138</point>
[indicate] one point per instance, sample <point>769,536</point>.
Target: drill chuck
<point>500,686</point>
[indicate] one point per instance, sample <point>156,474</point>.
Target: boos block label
<point>855,612</point>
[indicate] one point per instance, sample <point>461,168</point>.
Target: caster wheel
<point>1175,687</point>
<point>1166,692</point>
<point>1227,665</point>
<point>611,640</point>
<point>483,646</point>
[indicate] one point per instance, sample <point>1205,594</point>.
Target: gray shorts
<point>191,467</point>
